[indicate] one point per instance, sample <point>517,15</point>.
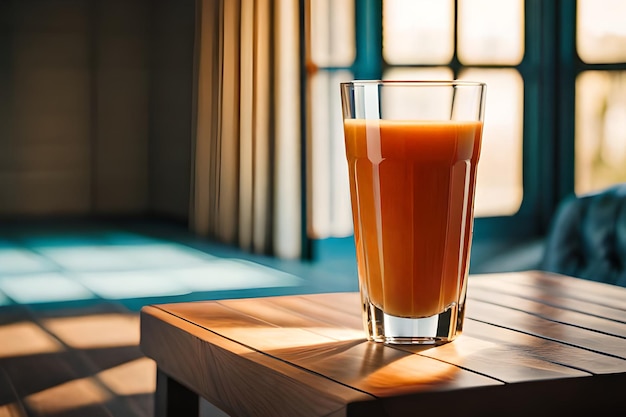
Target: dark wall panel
<point>171,106</point>
<point>95,106</point>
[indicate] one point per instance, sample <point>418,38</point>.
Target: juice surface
<point>412,187</point>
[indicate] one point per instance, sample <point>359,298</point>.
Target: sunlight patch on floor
<point>41,288</point>
<point>132,284</point>
<point>26,338</point>
<point>95,331</point>
<point>68,396</point>
<point>131,378</point>
<point>19,261</point>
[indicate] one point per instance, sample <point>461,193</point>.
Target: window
<point>600,131</point>
<point>556,97</point>
<point>331,36</point>
<point>481,40</point>
<point>600,31</point>
<point>418,32</point>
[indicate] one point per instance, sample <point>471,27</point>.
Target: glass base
<point>434,330</point>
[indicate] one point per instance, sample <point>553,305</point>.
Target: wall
<point>95,105</point>
<point>45,110</point>
<point>171,106</point>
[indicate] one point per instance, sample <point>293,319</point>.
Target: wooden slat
<point>502,284</point>
<point>559,314</point>
<point>270,310</point>
<point>514,357</point>
<point>299,311</point>
<point>310,307</point>
<point>527,323</point>
<point>350,305</point>
<point>255,332</point>
<point>384,372</point>
<point>567,287</point>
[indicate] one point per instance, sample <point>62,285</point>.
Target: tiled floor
<point>69,301</point>
<point>73,361</point>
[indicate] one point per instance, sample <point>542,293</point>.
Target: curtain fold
<point>247,168</point>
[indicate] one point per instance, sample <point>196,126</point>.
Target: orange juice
<point>412,187</point>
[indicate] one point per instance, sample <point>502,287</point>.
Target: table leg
<point>172,399</point>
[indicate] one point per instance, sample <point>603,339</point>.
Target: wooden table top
<point>534,343</point>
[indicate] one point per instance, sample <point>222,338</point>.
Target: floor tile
<point>23,338</point>
<point>132,284</point>
<point>89,258</point>
<point>20,261</point>
<point>164,255</point>
<point>43,288</point>
<point>229,274</point>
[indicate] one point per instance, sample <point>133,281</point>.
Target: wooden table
<point>533,344</point>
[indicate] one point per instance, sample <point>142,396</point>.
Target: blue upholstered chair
<point>587,238</point>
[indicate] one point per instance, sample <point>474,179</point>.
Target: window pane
<point>600,130</point>
<point>418,31</point>
<point>400,104</point>
<point>332,33</point>
<point>330,212</point>
<point>601,32</point>
<point>491,31</point>
<point>430,73</point>
<point>499,182</point>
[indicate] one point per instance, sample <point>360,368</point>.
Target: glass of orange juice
<point>412,150</point>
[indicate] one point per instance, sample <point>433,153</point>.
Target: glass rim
<point>429,83</point>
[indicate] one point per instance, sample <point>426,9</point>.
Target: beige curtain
<point>246,187</point>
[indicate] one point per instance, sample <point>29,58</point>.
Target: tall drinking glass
<point>413,149</point>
